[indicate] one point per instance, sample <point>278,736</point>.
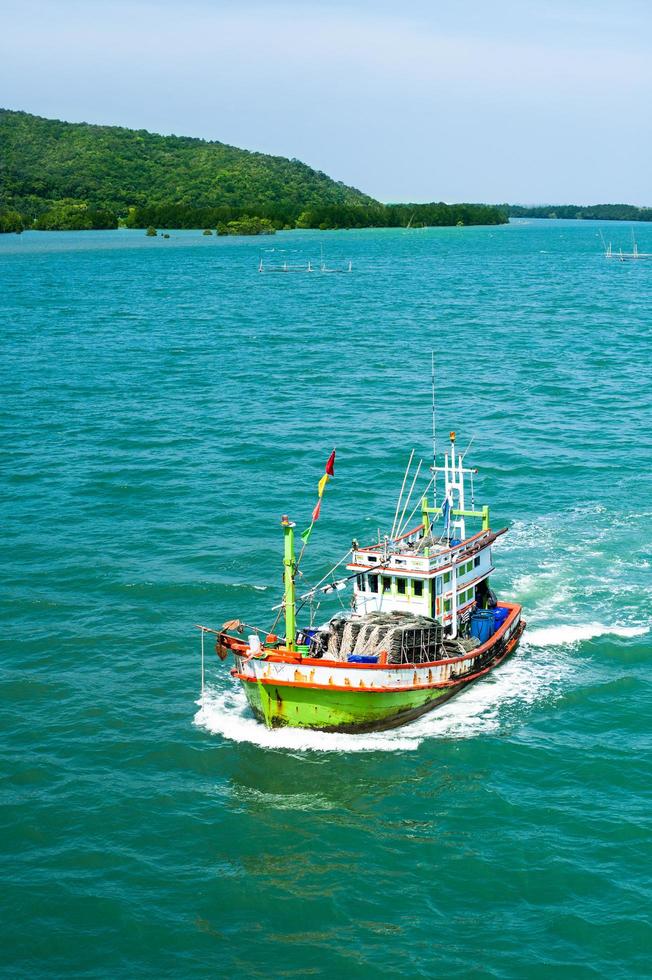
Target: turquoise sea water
<point>163,405</point>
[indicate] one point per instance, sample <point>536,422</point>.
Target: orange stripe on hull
<point>284,656</point>
<point>510,647</point>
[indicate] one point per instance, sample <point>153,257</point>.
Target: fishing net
<point>417,640</point>
<point>335,639</point>
<point>404,637</point>
<point>349,637</point>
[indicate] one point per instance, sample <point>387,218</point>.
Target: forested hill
<point>600,212</point>
<point>75,175</point>
<point>44,160</point>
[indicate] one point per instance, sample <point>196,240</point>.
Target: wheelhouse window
<point>447,577</point>
<point>373,583</point>
<point>400,586</point>
<point>447,605</point>
<point>417,587</point>
<point>387,583</point>
<point>476,560</point>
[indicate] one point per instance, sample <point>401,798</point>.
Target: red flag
<point>330,471</point>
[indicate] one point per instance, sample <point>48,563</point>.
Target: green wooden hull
<point>341,711</point>
<point>338,709</point>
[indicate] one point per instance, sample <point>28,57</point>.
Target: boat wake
<point>482,709</point>
<point>572,579</point>
<point>540,671</point>
<point>227,713</point>
<point>565,635</point>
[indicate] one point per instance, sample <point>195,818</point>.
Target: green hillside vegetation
<point>77,176</point>
<point>327,216</point>
<point>599,212</point>
<point>246,226</point>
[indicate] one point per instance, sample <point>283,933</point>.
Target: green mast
<point>289,567</point>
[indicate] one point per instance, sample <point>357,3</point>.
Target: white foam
<point>484,706</point>
<point>227,713</point>
<point>555,575</point>
<point>571,634</point>
<point>478,710</point>
<point>246,585</point>
<point>283,801</point>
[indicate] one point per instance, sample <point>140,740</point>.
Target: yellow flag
<point>322,483</point>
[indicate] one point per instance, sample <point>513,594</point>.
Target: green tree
<point>70,215</point>
<point>11,221</point>
<point>78,176</point>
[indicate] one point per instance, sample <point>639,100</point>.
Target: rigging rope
<point>407,502</point>
<point>406,523</point>
<point>400,496</point>
<point>340,562</point>
<point>308,596</point>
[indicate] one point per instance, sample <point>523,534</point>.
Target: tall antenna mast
<point>434,423</point>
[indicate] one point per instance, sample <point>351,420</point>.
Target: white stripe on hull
<point>343,674</point>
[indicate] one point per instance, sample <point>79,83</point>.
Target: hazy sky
<point>491,101</point>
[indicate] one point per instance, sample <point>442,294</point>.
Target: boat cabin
<point>442,581</point>
<point>430,570</point>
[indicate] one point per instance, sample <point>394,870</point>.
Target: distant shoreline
<point>80,216</point>
<point>598,212</point>
<point>168,232</point>
<point>60,176</point>
<point>67,215</point>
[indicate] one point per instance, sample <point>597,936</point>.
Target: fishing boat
<point>423,621</point>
